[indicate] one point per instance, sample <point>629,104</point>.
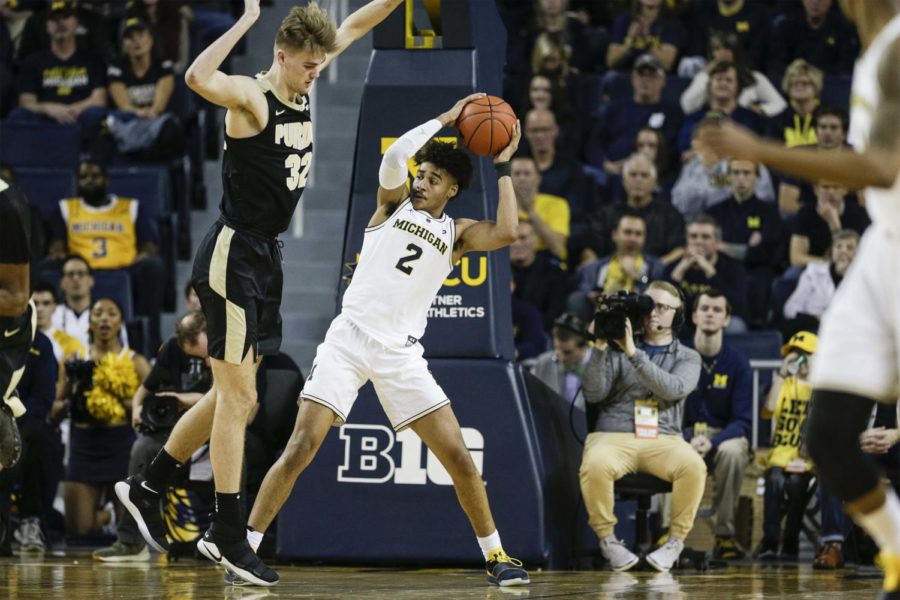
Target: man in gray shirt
<point>640,389</point>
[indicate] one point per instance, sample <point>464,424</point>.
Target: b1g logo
<point>368,459</point>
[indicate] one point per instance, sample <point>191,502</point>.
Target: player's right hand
<point>251,8</point>
<point>726,139</point>
<point>448,119</point>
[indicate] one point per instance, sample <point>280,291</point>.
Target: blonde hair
<point>544,46</point>
<point>307,28</point>
<point>669,288</point>
<point>801,67</point>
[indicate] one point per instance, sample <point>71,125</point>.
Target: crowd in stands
<point>614,193</point>
<point>611,96</point>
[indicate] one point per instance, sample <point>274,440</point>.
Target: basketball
<point>486,125</point>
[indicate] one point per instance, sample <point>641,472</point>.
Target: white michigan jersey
<point>402,265</point>
<point>883,204</point>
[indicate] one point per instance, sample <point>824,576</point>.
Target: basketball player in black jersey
<point>237,269</point>
<point>17,316</point>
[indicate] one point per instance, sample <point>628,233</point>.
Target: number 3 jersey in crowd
<point>402,265</point>
<point>264,175</point>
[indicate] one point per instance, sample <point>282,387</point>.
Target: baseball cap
<point>804,341</point>
<point>648,61</point>
<point>570,322</point>
<point>62,8</point>
<point>132,24</point>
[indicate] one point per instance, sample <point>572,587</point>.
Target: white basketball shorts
<point>348,358</point>
<point>859,339</point>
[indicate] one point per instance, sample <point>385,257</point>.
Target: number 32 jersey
<point>264,175</point>
<point>402,266</point>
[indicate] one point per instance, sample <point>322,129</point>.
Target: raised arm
<point>491,235</point>
<point>204,77</point>
<point>359,24</point>
<point>872,168</point>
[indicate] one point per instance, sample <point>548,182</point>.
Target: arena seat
<point>641,487</point>
<point>39,144</point>
<point>763,344</point>
<point>782,288</point>
<point>46,186</point>
<point>148,184</point>
<point>836,91</point>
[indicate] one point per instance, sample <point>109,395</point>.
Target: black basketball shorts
<point>238,279</point>
<point>16,335</point>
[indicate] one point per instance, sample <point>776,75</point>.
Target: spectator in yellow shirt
<point>788,471</point>
<point>548,214</point>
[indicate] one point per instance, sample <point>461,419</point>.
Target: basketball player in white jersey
<point>409,248</point>
<point>859,349</point>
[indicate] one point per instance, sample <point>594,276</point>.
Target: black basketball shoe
<point>142,502</point>
<point>235,554</point>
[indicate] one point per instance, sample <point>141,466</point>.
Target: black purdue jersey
<point>15,226</point>
<point>263,176</point>
<point>15,248</point>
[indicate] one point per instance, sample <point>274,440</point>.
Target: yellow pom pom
<point>117,376</point>
<point>104,407</point>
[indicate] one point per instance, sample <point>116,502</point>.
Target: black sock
<point>160,470</point>
<point>228,511</point>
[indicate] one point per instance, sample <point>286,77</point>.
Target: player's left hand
<point>513,145</point>
<point>448,119</point>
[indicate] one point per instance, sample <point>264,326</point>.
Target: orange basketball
<point>486,125</point>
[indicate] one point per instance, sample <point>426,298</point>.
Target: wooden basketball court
<point>76,576</point>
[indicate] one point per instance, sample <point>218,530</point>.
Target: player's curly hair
<point>307,28</point>
<point>449,157</point>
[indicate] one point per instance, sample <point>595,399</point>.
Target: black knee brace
<point>836,419</point>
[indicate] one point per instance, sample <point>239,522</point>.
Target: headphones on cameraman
<point>678,318</point>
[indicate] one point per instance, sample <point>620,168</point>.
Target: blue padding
<point>45,187</point>
<point>39,144</point>
<point>149,185</point>
<point>351,505</point>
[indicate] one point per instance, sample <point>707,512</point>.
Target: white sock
<point>491,542</point>
<point>883,524</point>
<point>255,538</point>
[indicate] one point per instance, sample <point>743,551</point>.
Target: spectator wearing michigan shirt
<point>548,214</point>
<point>788,473</point>
<point>719,412</point>
<point>63,83</point>
<point>111,232</point>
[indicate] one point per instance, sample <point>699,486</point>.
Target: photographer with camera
<point>178,380</point>
<point>638,389</point>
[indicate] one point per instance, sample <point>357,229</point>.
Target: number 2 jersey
<point>264,175</point>
<point>402,266</point>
